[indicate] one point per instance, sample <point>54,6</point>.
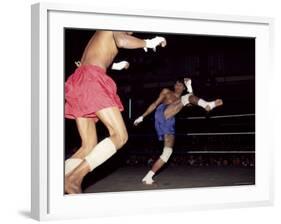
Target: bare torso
<point>100,50</point>
<point>170,97</point>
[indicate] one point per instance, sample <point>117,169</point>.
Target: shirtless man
<point>168,104</point>
<point>91,95</point>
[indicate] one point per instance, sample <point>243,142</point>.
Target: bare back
<point>100,50</point>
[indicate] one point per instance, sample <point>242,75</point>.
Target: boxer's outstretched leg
<point>194,100</point>
<point>207,105</point>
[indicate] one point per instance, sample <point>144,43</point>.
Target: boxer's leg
<point>207,105</point>
<point>194,100</point>
<point>87,131</point>
<point>169,140</point>
<point>112,119</point>
<point>173,109</point>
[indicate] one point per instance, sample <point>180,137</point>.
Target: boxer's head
<point>179,86</point>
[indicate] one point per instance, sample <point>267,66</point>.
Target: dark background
<point>220,67</point>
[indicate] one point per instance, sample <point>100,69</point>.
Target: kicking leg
<point>173,109</point>
<point>194,100</point>
<point>207,105</point>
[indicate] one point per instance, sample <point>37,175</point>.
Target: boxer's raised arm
<point>152,106</point>
<point>125,40</point>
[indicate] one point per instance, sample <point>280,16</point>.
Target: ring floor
<point>128,178</point>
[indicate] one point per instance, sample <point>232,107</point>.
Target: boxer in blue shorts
<point>166,106</point>
<point>162,125</point>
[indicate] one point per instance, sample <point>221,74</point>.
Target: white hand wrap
<point>154,42</point>
<point>138,120</point>
<point>77,63</point>
<point>120,65</point>
<point>187,83</point>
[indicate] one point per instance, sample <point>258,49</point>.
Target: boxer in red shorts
<point>91,96</point>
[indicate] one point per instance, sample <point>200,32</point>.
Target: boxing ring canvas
<point>53,26</point>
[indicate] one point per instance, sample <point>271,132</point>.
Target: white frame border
<point>40,105</point>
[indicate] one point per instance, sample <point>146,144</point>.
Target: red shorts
<point>88,90</point>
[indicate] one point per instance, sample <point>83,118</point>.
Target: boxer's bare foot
<point>72,185</point>
<point>74,180</point>
<point>218,102</point>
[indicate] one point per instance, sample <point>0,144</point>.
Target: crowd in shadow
<point>196,160</point>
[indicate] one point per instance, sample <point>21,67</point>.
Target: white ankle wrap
<point>71,164</point>
<point>202,103</point>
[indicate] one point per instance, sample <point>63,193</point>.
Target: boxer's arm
<point>125,40</point>
<point>156,103</point>
<point>152,106</point>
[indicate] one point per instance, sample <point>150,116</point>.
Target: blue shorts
<point>163,126</point>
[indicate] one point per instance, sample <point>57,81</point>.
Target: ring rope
<point>217,117</point>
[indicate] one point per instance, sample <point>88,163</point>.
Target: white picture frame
<point>48,200</point>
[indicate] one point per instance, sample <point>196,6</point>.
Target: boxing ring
<point>210,151</point>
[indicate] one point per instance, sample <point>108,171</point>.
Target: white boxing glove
<point>120,65</point>
<point>77,63</point>
<point>187,82</point>
<point>138,120</point>
<point>154,42</point>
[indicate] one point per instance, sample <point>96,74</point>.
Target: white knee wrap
<point>167,152</point>
<point>185,99</point>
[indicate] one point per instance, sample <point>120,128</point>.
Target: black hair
<point>181,80</point>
